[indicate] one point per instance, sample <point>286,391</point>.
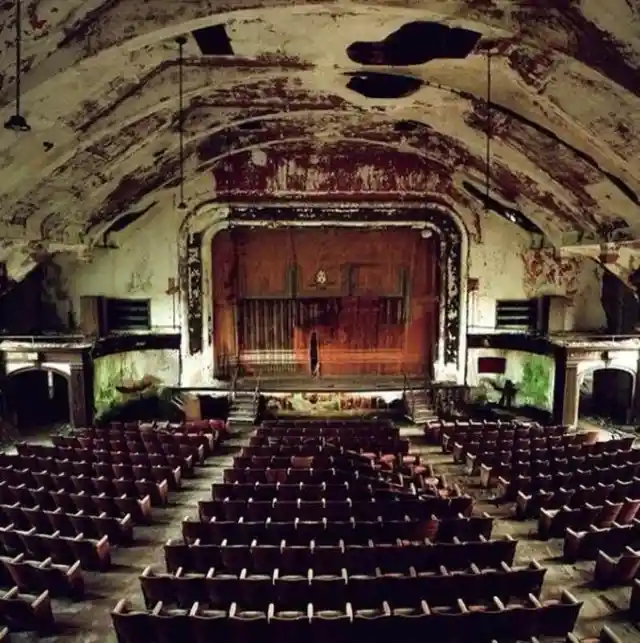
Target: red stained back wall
<point>375,312</point>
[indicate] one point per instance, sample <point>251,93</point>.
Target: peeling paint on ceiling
<point>100,91</point>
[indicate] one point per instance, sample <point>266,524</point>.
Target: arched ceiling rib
<point>100,82</point>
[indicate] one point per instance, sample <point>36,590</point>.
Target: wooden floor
<point>90,622</point>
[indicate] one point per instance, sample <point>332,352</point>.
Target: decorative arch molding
<point>203,222</point>
<point>17,368</point>
<point>616,364</point>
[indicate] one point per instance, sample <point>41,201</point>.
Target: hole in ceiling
<point>407,126</point>
<point>415,43</point>
<point>376,85</point>
<point>213,41</point>
<point>506,212</point>
<point>252,126</point>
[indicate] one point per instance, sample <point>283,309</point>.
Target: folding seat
<point>608,514</point>
<point>83,502</point>
<point>178,554</point>
<point>189,588</point>
<point>84,483</point>
<point>25,612</point>
<point>257,511</point>
<point>131,626</point>
<point>157,491</point>
<point>82,468</point>
<point>266,558</point>
<point>22,495</point>
<point>557,617</point>
<point>410,622</point>
<point>221,589</point>
<point>247,626</point>
<point>332,625</point>
<point>35,545</point>
<point>621,571</point>
<point>628,511</point>
<point>292,591</point>
<point>15,515</point>
<point>59,580</point>
<point>360,559</point>
<point>289,625</point>
<point>60,548</point>
<point>204,557</point>
<point>296,559</point>
<point>63,501</point>
<point>329,591</point>
<point>92,554</point>
<point>36,518</point>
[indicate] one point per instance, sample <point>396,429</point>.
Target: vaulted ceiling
<point>100,92</point>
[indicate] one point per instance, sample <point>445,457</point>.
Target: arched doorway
<point>37,397</point>
<point>607,394</point>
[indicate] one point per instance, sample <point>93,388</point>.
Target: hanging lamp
<point>181,40</point>
<point>17,122</point>
<point>489,132</point>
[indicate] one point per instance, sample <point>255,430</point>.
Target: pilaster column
<point>78,407</point>
<point>571,396</point>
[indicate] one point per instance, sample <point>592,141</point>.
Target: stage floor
<point>308,384</point>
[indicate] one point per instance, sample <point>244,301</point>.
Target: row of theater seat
<point>507,490</point>
<point>92,554</point>
<point>157,473</point>
<point>70,502</point>
<point>490,621</point>
<point>158,492</point>
<point>212,530</point>
<point>61,581</point>
<point>558,467</point>
<point>356,490</point>
<point>528,505</point>
<point>422,507</point>
<point>118,530</point>
<point>219,590</point>
<point>553,522</point>
<point>296,558</point>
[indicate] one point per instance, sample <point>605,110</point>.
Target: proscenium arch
<point>451,348</point>
<point>25,369</point>
<point>401,145</point>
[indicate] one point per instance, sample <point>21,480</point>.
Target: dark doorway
<point>38,398</point>
<point>607,394</point>
<point>314,357</point>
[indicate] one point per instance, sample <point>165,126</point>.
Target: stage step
<point>422,410</point>
<point>242,414</point>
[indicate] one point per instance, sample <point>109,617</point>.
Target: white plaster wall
<point>499,261</point>
<point>140,265</point>
<point>145,258</point>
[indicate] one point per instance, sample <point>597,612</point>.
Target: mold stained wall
<point>146,257</point>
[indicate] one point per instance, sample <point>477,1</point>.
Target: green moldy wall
<point>533,375</point>
<point>161,367</point>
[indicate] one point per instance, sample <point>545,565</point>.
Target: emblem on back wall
<point>321,278</point>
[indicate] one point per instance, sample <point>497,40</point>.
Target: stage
<point>328,384</point>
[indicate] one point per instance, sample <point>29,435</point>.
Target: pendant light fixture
<point>182,41</point>
<point>18,122</point>
<point>489,133</point>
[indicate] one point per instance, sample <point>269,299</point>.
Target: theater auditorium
<point>319,320</point>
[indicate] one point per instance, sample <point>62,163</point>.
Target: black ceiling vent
<point>510,214</point>
<point>416,43</point>
<point>213,41</point>
<point>376,85</point>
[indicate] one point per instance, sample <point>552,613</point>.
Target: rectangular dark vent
<point>213,41</point>
<point>517,313</point>
<point>128,314</point>
<point>492,365</point>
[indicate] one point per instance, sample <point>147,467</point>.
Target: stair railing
<point>256,397</point>
<point>234,383</point>
<point>409,395</point>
